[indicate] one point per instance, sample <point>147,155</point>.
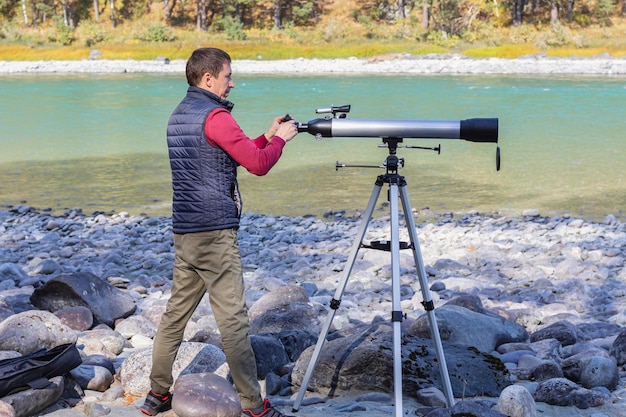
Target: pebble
<point>560,279</point>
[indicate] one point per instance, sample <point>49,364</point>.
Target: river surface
<point>97,141</point>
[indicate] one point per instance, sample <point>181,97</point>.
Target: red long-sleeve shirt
<point>257,155</point>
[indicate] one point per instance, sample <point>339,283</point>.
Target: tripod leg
<point>427,300</point>
<point>334,304</point>
<point>396,314</point>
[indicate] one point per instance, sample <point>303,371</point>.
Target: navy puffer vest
<point>204,178</point>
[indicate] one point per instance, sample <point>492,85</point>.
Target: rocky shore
<point>538,64</point>
<point>530,309</point>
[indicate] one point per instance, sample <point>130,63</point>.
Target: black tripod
<point>397,189</point>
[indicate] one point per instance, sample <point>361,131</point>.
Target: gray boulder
<point>205,394</point>
<point>10,271</point>
<point>106,302</point>
<point>6,410</point>
<point>285,308</point>
<point>364,362</point>
<point>533,368</point>
<point>192,357</point>
<point>135,325</point>
<point>33,330</point>
<point>95,378</point>
<point>270,355</point>
<point>600,372</point>
<point>78,318</point>
<point>463,408</point>
<point>517,401</point>
<point>102,340</point>
<point>460,325</point>
<point>618,348</point>
<point>32,401</point>
<point>563,392</point>
<point>563,331</point>
<point>295,342</point>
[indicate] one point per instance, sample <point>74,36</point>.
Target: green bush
<point>523,34</point>
<point>91,33</point>
<point>158,32</point>
<point>63,34</point>
<point>301,13</point>
<point>558,36</point>
<point>332,31</point>
<point>233,28</point>
<point>583,20</point>
<point>580,40</point>
<point>289,31</point>
<point>441,38</point>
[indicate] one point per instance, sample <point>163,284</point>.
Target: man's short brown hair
<point>204,60</point>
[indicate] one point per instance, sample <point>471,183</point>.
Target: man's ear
<point>207,80</point>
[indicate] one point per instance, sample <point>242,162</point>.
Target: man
<point>205,147</point>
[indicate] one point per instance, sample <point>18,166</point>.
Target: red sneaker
<point>155,403</point>
<point>265,411</point>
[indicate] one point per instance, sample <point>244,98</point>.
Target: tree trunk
<point>25,13</point>
<point>96,10</point>
<point>518,12</point>
<point>277,22</point>
<point>112,15</point>
<point>166,11</point>
<point>33,13</point>
<point>66,12</point>
<point>554,12</point>
<point>425,16</point>
<point>201,20</point>
<point>205,25</point>
<point>401,8</point>
<point>238,12</point>
<point>570,10</point>
<point>198,16</point>
<point>68,16</point>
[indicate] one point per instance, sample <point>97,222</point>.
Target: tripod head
<point>483,130</point>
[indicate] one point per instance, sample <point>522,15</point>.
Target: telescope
<point>484,130</point>
<point>392,132</point>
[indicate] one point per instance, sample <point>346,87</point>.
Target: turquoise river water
<point>98,142</point>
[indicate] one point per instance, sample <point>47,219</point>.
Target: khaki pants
<point>208,261</point>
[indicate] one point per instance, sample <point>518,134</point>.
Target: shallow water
<point>97,141</point>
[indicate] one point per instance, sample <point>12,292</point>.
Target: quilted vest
<point>204,178</point>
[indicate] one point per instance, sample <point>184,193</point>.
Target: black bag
<point>34,370</point>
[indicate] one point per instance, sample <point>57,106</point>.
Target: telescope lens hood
<point>479,130</point>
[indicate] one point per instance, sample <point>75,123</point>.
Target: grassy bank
<point>136,41</point>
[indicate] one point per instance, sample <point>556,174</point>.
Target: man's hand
<point>283,126</point>
<point>287,130</point>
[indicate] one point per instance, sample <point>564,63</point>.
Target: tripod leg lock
<point>397,316</point>
<point>428,305</point>
<point>334,304</point>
